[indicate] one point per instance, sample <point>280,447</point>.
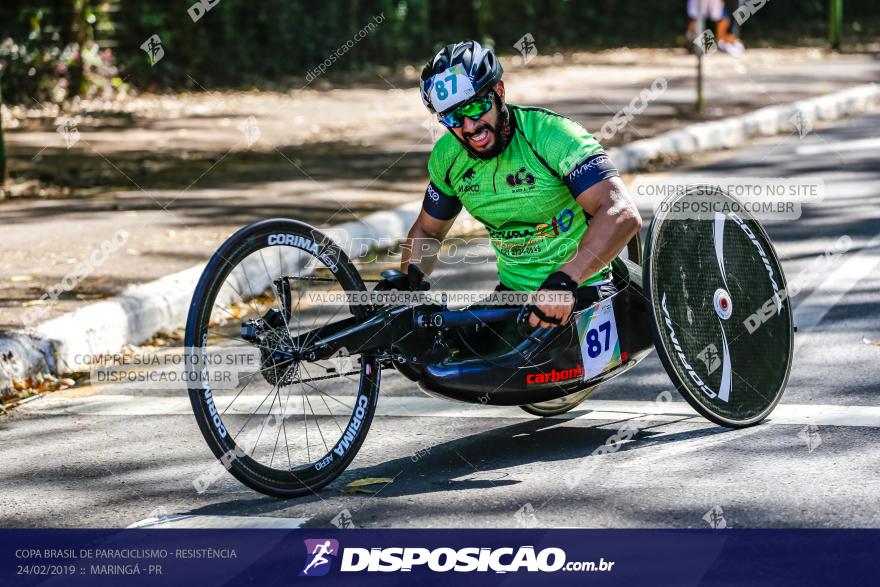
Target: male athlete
<point>555,208</point>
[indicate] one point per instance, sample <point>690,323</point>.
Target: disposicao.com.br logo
<point>444,559</point>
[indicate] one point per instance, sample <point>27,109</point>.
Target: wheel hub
<point>279,363</point>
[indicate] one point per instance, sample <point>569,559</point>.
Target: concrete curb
<point>736,131</point>
<point>60,345</point>
<point>21,356</point>
<point>57,346</point>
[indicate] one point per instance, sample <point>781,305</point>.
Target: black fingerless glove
<point>560,281</point>
<point>416,279</point>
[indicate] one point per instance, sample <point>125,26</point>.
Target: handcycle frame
<point>714,271</point>
<point>413,337</point>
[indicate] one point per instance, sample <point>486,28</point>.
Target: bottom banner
<point>436,557</point>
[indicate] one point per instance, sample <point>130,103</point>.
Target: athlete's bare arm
<point>615,221</point>
<point>423,242</point>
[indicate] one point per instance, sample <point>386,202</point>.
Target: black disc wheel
<point>722,322</point>
<point>280,424</point>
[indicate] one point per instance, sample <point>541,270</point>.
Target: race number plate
<point>597,332</point>
<point>450,88</point>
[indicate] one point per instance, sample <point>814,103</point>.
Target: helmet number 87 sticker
<point>450,88</point>
<point>597,333</point>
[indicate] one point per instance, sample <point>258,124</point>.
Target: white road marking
<point>812,309</point>
<point>192,521</point>
<point>427,407</point>
<point>676,449</point>
<point>821,148</point>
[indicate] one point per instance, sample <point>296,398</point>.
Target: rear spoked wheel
<point>282,425</point>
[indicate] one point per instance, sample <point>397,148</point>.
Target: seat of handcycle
<point>514,369</point>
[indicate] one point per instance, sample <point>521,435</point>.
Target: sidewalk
<point>164,192</point>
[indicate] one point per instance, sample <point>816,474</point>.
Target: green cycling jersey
<point>525,197</point>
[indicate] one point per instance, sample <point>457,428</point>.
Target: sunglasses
<point>474,110</point>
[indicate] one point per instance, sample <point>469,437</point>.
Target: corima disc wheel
<point>722,323</point>
<point>283,426</point>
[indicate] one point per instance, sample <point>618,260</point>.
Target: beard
<point>500,134</point>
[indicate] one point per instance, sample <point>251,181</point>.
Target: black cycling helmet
<point>479,65</point>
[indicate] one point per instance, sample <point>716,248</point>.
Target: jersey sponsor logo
<point>522,250</point>
<point>432,193</point>
<point>469,186</point>
<point>592,162</point>
<point>549,229</point>
<point>553,376</point>
<point>520,177</point>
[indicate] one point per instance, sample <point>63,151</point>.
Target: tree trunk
<point>835,29</point>
<point>79,34</point>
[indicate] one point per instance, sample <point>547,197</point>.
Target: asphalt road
<point>114,457</point>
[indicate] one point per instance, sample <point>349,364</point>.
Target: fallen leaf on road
<point>16,278</point>
<point>29,303</point>
<point>359,485</point>
<point>370,481</point>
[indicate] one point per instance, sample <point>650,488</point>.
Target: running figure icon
<point>318,555</point>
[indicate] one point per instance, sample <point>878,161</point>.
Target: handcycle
<point>706,291</point>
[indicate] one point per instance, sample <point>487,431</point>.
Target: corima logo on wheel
<point>215,416</point>
<point>353,426</point>
<point>724,391</point>
<point>301,242</point>
<point>776,296</point>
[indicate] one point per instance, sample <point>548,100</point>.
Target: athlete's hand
<point>557,313</point>
<point>413,280</point>
<point>547,315</point>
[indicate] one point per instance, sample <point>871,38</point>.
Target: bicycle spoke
<point>329,411</point>
<point>317,423</point>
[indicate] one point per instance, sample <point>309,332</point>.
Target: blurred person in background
<point>715,11</point>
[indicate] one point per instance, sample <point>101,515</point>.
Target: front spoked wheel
<point>282,425</point>
<point>555,407</point>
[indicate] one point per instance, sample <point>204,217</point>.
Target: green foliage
<point>52,50</point>
<point>49,54</point>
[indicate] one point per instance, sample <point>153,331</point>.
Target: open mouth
<point>480,139</point>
